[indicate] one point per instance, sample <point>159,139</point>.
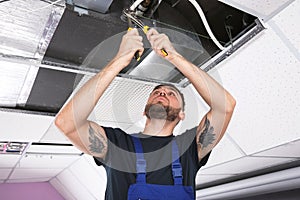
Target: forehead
<point>166,87</point>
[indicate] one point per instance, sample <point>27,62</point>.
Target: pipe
<point>274,182</point>
<point>201,14</point>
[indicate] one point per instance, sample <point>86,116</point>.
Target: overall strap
<point>140,160</point>
<point>176,165</point>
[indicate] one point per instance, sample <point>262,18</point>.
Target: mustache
<point>159,111</point>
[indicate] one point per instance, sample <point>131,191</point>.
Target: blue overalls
<point>142,190</point>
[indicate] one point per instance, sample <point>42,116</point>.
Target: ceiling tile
<point>244,165</point>
<point>47,161</point>
<point>23,127</point>
<point>54,135</point>
<point>8,160</point>
<point>4,173</point>
<point>93,179</point>
<point>290,28</point>
<point>260,8</point>
<point>288,150</point>
<point>34,173</point>
<point>267,110</point>
<point>71,183</point>
<point>223,152</point>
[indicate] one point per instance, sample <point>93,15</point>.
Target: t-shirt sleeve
<point>117,141</point>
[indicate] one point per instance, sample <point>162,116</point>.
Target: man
<point>117,151</point>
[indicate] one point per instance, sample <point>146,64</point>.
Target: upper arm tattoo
<point>207,136</point>
<point>97,141</point>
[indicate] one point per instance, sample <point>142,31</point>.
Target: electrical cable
<point>202,16</point>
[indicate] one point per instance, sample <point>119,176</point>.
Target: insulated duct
<point>274,182</point>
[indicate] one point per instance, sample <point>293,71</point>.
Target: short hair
<point>172,86</point>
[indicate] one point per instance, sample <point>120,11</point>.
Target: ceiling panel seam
<point>45,133</point>
<point>83,185</point>
<point>218,164</point>
<point>62,186</point>
<point>284,39</point>
<point>236,144</point>
<point>18,162</point>
<point>97,171</point>
<point>278,10</point>
<point>66,168</point>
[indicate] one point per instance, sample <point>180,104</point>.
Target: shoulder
<point>114,133</point>
<point>187,137</point>
<point>117,137</point>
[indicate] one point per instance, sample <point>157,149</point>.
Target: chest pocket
<point>144,191</point>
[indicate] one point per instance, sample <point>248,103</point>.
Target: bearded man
<point>153,164</point>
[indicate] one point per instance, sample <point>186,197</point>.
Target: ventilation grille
<point>122,103</point>
<point>12,147</point>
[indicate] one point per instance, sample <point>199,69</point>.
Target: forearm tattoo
<point>207,136</point>
<point>97,141</point>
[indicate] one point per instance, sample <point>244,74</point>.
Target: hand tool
<point>130,27</point>
<point>131,17</point>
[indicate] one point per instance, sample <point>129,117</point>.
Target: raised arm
<point>88,136</point>
<point>213,125</point>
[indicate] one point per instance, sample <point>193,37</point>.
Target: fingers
<point>132,31</point>
<point>131,46</point>
<point>151,32</point>
<point>137,42</point>
<point>160,42</point>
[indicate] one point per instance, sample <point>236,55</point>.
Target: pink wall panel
<point>28,191</point>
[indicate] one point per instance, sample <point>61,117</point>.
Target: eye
<point>156,92</point>
<point>171,94</point>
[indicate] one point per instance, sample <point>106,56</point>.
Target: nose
<point>162,93</point>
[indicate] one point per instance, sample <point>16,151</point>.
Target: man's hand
<point>161,41</point>
<point>131,42</point>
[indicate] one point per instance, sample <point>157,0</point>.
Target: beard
<point>159,111</point>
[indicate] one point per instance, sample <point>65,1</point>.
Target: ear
<point>181,115</point>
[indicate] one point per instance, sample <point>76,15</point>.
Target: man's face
<point>164,103</point>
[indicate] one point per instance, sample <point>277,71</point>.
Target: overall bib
<point>144,191</point>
